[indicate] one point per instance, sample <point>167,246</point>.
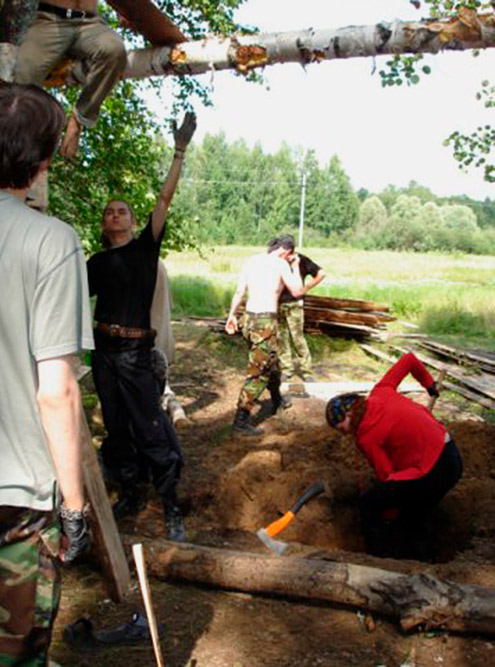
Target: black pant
<point>413,499</point>
<point>135,423</point>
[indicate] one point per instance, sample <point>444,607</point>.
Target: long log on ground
<point>417,600</point>
<point>344,304</point>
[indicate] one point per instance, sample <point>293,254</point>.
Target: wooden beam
<point>417,600</point>
<point>106,538</point>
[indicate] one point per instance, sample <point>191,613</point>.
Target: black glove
<point>433,390</point>
<point>183,135</point>
<point>75,529</point>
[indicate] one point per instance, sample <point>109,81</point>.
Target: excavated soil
<point>232,486</point>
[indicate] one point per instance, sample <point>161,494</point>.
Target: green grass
<point>445,295</point>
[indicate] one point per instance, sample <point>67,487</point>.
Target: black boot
<point>128,504</point>
<point>242,426</point>
<point>174,523</point>
<point>280,402</point>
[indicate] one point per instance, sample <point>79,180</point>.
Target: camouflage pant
<point>29,585</point>
<point>292,343</point>
<point>260,331</point>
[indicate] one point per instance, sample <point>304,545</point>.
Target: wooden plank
<point>106,538</point>
<point>342,304</point>
<point>331,315</point>
<point>145,18</point>
<point>327,390</point>
<point>459,355</point>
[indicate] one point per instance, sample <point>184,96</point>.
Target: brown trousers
<point>50,39</point>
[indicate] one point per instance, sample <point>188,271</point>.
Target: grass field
<point>452,296</point>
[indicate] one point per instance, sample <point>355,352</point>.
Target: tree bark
<point>15,16</point>
<point>467,30</point>
<point>416,599</point>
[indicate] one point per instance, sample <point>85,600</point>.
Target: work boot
<point>241,425</point>
<point>128,504</point>
<point>280,402</point>
<point>174,523</point>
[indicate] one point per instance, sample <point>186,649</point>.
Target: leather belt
<point>267,314</point>
<point>117,331</point>
<point>64,12</point>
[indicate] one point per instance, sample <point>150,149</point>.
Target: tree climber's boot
<point>241,425</point>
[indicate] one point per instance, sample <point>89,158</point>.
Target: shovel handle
<point>439,382</point>
<point>313,491</point>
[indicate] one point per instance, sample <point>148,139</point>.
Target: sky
<point>381,135</point>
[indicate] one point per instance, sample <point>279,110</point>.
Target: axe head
<point>277,546</point>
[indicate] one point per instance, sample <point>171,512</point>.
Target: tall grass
<point>443,294</point>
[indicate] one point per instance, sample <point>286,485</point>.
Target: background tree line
<point>236,194</point>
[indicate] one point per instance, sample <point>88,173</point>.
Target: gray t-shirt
<point>44,313</point>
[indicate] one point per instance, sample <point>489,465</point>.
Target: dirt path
<point>233,486</point>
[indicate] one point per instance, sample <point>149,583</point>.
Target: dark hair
<point>105,241</point>
<point>31,122</point>
<point>284,241</point>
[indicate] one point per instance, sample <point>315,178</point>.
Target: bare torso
<point>85,5</point>
<point>263,276</point>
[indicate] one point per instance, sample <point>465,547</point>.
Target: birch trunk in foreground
<point>15,15</point>
<point>467,30</point>
<point>415,599</point>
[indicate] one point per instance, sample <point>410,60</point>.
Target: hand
<point>232,325</point>
<point>433,390</point>
<point>183,135</point>
<point>75,530</point>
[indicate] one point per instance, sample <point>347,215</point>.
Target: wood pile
<point>347,318</point>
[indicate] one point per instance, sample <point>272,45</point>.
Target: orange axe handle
<point>278,525</point>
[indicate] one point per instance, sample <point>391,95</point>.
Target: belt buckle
<point>113,329</point>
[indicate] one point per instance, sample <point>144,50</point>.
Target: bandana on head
<point>338,408</point>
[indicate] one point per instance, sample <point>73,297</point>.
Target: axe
<point>267,534</point>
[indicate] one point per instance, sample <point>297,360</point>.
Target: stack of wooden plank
<point>349,318</point>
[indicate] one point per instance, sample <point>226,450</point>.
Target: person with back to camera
<point>262,279</point>
<point>45,322</point>
<point>123,278</point>
<point>415,460</point>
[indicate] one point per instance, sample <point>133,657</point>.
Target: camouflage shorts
<point>29,585</point>
<point>260,331</point>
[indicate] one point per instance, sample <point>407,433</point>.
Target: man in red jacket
<point>415,459</point>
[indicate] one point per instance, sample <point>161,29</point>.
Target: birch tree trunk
<point>467,30</point>
<point>15,16</point>
<point>415,599</point>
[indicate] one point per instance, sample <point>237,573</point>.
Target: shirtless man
<point>263,277</point>
<point>72,28</point>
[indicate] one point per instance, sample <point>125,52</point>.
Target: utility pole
<point>302,208</point>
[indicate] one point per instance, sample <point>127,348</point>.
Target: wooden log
<point>106,538</point>
<point>417,600</point>
<point>344,304</point>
